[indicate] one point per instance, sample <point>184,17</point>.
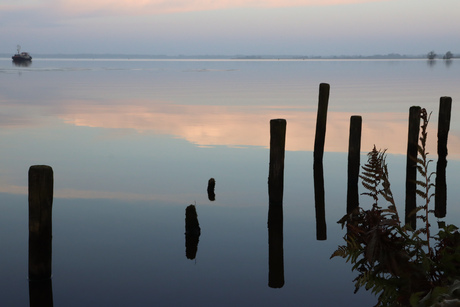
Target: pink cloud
<point>145,7</point>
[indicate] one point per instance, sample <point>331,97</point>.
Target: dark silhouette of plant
<point>394,261</point>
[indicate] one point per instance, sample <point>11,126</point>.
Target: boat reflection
<point>21,63</point>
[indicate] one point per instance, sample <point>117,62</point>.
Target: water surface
<point>133,142</point>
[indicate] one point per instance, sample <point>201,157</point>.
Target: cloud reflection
<point>209,126</point>
<point>237,126</point>
<point>99,194</point>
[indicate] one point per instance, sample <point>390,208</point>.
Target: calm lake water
<point>134,142</point>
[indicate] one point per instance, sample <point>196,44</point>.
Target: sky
<point>230,27</point>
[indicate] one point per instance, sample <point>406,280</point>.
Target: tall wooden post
<point>445,107</point>
<point>40,229</point>
<point>276,170</point>
<point>321,119</point>
<point>275,207</point>
<point>318,152</point>
<point>411,166</point>
<point>354,150</point>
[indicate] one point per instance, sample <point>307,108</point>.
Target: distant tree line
<point>432,55</point>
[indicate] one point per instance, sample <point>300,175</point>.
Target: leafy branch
<point>394,261</point>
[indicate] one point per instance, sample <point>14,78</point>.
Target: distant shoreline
<point>391,56</point>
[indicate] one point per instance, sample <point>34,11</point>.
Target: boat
<point>21,56</point>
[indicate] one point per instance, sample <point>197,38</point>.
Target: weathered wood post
<point>40,229</point>
<point>318,152</point>
<point>276,170</point>
<point>275,207</point>
<point>211,187</point>
<point>354,150</point>
<point>411,166</point>
<point>321,119</point>
<point>445,107</point>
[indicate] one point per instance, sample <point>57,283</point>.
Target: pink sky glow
<point>293,27</point>
<point>142,7</point>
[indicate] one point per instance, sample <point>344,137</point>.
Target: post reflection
<point>445,107</point>
<point>40,293</point>
<point>275,246</point>
<point>41,182</point>
<point>192,232</point>
<point>320,211</point>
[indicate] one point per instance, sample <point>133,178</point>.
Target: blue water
<point>132,143</point>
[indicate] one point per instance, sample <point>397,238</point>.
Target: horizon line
<point>233,56</point>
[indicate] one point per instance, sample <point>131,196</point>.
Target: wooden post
<point>276,169</point>
<point>411,166</point>
<point>275,207</point>
<point>445,107</point>
<point>318,152</point>
<point>40,228</point>
<point>321,119</point>
<point>211,187</point>
<point>354,150</point>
